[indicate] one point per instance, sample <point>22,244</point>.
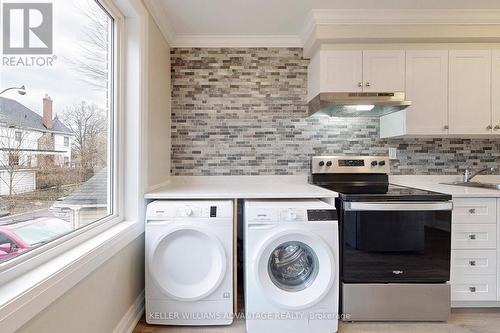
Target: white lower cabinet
<point>475,262</point>
<point>475,255</point>
<point>474,288</point>
<point>474,236</point>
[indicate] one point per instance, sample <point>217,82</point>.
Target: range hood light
<point>357,104</point>
<point>364,107</point>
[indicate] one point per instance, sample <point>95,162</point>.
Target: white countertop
<point>433,183</point>
<point>240,187</point>
<point>283,187</point>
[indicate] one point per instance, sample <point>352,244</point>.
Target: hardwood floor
<point>461,321</point>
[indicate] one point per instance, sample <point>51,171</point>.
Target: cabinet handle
<point>496,128</point>
<point>489,127</point>
<point>472,263</point>
<point>446,127</point>
<point>472,211</point>
<point>472,289</point>
<point>360,84</point>
<point>472,236</point>
<point>368,84</point>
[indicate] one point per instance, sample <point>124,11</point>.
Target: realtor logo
<point>27,28</point>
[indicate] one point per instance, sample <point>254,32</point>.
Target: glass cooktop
<point>383,192</point>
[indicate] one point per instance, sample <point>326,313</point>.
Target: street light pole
<point>20,90</point>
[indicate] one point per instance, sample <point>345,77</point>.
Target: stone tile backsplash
<point>244,112</point>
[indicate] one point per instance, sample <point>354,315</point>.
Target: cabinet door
<point>384,71</point>
<point>470,92</point>
<point>495,90</point>
<point>427,89</point>
<point>341,71</point>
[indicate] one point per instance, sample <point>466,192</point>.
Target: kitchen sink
<point>475,184</point>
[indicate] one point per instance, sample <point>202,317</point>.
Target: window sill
<point>25,296</point>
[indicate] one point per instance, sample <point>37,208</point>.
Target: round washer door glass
<point>293,266</point>
<point>188,263</point>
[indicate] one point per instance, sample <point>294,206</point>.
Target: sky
<point>61,81</point>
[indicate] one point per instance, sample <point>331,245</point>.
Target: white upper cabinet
<point>342,71</point>
<point>495,90</point>
<point>427,89</point>
<point>470,92</point>
<point>356,71</point>
<point>384,71</point>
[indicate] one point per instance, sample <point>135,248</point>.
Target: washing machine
<point>291,266</point>
<point>189,262</point>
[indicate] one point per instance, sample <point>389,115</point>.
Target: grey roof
<point>92,193</point>
<point>16,114</point>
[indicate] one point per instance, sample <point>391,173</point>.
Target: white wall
<point>97,303</point>
<point>158,131</point>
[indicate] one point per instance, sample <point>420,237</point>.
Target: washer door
<point>295,269</point>
<point>188,263</point>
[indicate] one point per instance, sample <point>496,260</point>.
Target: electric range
<point>395,242</point>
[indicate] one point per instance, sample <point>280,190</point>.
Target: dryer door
<point>295,269</point>
<point>188,263</point>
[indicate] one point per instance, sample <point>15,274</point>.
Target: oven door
<point>396,242</point>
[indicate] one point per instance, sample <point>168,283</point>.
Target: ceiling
<point>230,18</point>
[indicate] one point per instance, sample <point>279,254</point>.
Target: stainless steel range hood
<point>357,104</point>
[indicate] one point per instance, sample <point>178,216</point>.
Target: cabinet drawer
<point>474,288</point>
<point>474,210</point>
<point>474,236</point>
<point>473,262</point>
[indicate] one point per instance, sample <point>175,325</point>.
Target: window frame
<point>27,261</point>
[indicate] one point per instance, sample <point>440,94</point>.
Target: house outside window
<point>68,124</point>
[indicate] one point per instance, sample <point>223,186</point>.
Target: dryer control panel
<point>165,209</point>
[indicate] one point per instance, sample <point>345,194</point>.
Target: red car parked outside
<point>20,237</point>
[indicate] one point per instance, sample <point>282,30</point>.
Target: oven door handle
<point>397,206</point>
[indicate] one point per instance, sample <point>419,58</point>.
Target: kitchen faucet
<point>468,175</point>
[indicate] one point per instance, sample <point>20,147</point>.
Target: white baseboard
<point>132,317</point>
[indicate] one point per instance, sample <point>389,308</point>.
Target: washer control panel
<point>322,215</point>
<point>289,215</point>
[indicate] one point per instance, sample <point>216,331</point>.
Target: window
<point>18,136</point>
<point>56,168</point>
<point>13,159</point>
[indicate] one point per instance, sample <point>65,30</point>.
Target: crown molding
<point>237,41</point>
<point>159,14</point>
<point>318,17</point>
<point>403,16</point>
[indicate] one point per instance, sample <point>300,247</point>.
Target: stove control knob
<point>381,163</point>
<point>374,163</point>
<point>321,163</point>
<point>329,163</point>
